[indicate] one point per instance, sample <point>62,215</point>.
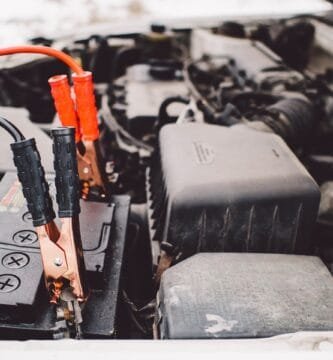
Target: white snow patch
<point>173,298</point>
<point>218,324</point>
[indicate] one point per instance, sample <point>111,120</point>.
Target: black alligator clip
<point>61,249</point>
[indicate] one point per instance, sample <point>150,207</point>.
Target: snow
<point>21,20</point>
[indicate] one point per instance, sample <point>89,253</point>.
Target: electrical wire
<point>45,50</point>
<point>11,129</point>
<point>163,117</point>
<point>194,92</point>
<point>118,129</point>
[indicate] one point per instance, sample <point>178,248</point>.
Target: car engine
<point>191,171</point>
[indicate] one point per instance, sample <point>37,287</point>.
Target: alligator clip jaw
<point>91,158</point>
<point>62,258</point>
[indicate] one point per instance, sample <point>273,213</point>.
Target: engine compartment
<point>215,150</point>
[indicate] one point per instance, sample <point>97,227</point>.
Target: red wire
<point>35,49</point>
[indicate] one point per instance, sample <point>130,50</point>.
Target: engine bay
<point>198,205</point>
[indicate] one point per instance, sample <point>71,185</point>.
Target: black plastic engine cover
<point>230,295</point>
<point>213,188</point>
<point>138,97</point>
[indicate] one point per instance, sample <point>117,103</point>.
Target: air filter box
<point>231,296</point>
<point>214,188</point>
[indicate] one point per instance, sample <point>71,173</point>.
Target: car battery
<point>25,312</point>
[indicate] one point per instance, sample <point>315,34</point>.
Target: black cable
<point>202,104</point>
<point>11,129</point>
<point>163,118</point>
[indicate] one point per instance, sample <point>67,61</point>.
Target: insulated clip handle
<point>67,177</point>
<point>32,177</point>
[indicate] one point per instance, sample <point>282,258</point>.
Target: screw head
<point>57,262</point>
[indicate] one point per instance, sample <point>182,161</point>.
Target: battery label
<point>13,200</point>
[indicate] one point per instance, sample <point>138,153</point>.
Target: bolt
<point>57,262</point>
